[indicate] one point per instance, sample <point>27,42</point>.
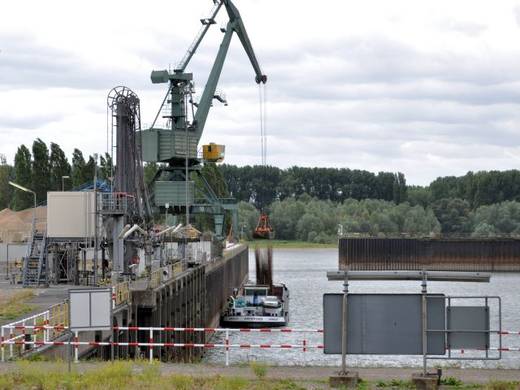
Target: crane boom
<point>206,24</point>
<point>236,25</point>
<point>240,29</point>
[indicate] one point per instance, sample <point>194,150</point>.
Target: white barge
<point>258,306</point>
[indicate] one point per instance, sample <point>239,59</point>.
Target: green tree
<point>420,221</point>
<point>22,172</point>
<point>106,167</point>
<point>418,195</point>
<point>215,179</point>
<point>284,216</point>
<point>399,188</point>
<point>499,218</point>
<point>6,191</point>
<point>90,170</point>
<point>41,179</point>
<point>78,168</point>
<point>150,170</point>
<point>59,167</point>
<point>453,215</point>
<point>484,230</point>
<point>247,219</point>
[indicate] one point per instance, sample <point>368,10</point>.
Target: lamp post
<point>18,186</point>
<point>63,182</point>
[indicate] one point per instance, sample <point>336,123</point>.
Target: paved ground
<point>321,373</point>
<point>318,374</point>
<point>42,300</point>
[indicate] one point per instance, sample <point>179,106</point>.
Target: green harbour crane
<point>176,144</point>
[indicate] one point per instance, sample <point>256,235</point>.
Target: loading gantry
<point>175,145</point>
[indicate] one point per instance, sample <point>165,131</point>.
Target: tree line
<point>43,169</point>
<point>304,203</point>
<point>321,221</point>
<point>263,185</point>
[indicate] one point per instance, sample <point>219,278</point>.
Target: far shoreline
<point>288,244</point>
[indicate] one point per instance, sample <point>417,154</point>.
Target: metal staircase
<point>35,263</point>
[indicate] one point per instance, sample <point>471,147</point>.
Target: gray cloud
<point>471,29</point>
<point>366,102</point>
<point>24,63</point>
<point>29,121</point>
<point>516,14</point>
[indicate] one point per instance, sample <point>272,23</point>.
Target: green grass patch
<point>144,376</point>
<point>259,369</point>
<point>16,305</point>
<point>451,381</point>
<point>288,244</point>
<point>502,385</point>
<point>131,375</point>
<point>395,384</point>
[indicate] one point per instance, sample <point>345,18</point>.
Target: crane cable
<point>262,97</point>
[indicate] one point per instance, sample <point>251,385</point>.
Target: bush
<point>260,369</point>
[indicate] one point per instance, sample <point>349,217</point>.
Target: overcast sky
<point>428,88</point>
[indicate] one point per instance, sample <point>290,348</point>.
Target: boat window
<point>256,291</point>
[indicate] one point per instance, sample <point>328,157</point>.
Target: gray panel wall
<point>383,324</point>
<point>474,319</point>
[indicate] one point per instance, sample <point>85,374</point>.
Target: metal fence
<point>46,326</point>
<point>28,337</point>
<point>462,254</point>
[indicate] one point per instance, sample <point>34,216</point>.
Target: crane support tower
<point>175,145</point>
<point>127,203</point>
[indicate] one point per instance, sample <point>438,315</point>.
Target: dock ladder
<point>35,263</point>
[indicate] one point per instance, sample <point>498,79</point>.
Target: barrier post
<point>46,324</point>
<point>227,347</point>
<point>344,326</point>
<point>304,350</point>
<point>151,347</point>
<point>113,297</point>
<point>34,335</point>
<point>76,346</point>
<point>11,338</point>
<point>3,346</point>
<point>424,322</point>
<point>24,337</point>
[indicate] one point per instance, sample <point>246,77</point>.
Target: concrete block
<point>349,379</point>
<point>426,382</point>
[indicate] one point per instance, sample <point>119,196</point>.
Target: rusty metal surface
<point>478,255</point>
<point>264,265</point>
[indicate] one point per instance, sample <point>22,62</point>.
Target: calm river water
<point>304,273</point>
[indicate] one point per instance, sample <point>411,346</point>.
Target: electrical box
<point>213,152</point>
<point>90,309</point>
<point>70,214</point>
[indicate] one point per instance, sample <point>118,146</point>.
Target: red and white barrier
<point>173,329</point>
<point>23,330</point>
<point>153,344</point>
